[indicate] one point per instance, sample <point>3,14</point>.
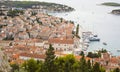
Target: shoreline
<point>45,6</point>
<point>96,45</point>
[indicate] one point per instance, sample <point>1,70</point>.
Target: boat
<point>104,43</point>
<point>89,36</point>
<point>66,14</point>
<point>94,39</point>
<point>118,50</point>
<point>85,48</point>
<point>95,35</point>
<point>86,41</point>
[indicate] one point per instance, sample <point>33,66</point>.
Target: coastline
<point>95,20</point>
<point>43,6</point>
<point>38,35</point>
<point>110,20</point>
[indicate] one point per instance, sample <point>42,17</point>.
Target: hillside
<point>43,5</point>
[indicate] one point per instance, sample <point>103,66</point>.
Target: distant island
<point>49,7</point>
<point>111,4</point>
<point>116,11</point>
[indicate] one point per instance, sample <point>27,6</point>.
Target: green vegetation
<point>10,37</point>
<point>15,67</point>
<point>111,4</point>
<point>97,68</point>
<point>14,13</point>
<point>49,65</point>
<point>38,21</point>
<point>115,11</point>
<point>77,31</point>
<point>115,70</point>
<point>96,55</point>
<point>93,55</point>
<point>54,64</point>
<point>31,65</point>
<point>33,14</point>
<point>81,53</point>
<point>5,17</point>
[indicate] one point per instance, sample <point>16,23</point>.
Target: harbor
<point>95,18</point>
<point>87,38</point>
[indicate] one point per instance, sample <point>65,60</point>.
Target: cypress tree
<point>49,60</point>
<point>83,65</point>
<point>116,70</point>
<point>96,67</point>
<point>77,30</point>
<point>89,65</point>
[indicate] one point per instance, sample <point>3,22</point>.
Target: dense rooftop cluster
<point>28,35</point>
<point>40,26</point>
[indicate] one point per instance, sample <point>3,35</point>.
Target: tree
<point>40,66</point>
<point>101,51</point>
<point>14,13</point>
<point>5,17</point>
<point>96,67</point>
<point>93,55</point>
<point>76,66</point>
<point>82,53</point>
<point>49,60</point>
<point>69,62</point>
<point>66,64</point>
<point>77,31</point>
<point>83,65</point>
<point>89,66</point>
<point>116,70</point>
<point>60,64</point>
<point>102,69</point>
<point>31,65</point>
<point>15,67</point>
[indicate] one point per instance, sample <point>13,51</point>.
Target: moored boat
<point>104,43</point>
<point>118,50</point>
<point>94,39</point>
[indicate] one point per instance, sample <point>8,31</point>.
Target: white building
<point>27,56</point>
<point>62,44</point>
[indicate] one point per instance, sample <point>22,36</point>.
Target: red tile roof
<point>33,55</point>
<point>61,41</point>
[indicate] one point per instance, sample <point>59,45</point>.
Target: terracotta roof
<point>61,41</point>
<point>32,55</point>
<point>58,53</point>
<point>79,57</point>
<point>15,56</point>
<point>114,60</point>
<point>19,61</point>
